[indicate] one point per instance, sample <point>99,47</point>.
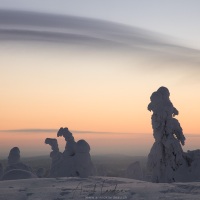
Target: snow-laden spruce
<point>166,161</point>
<point>74,161</point>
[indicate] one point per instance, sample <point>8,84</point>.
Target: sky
<point>92,66</point>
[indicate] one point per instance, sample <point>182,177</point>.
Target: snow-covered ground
<point>95,188</point>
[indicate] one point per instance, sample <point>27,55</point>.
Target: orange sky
<point>53,86</point>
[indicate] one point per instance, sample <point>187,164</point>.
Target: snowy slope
<point>95,188</point>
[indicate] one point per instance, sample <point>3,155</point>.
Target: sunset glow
<point>95,85</point>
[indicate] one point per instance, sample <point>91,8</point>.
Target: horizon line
<point>37,130</point>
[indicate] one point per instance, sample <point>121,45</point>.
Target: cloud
<point>17,25</point>
<point>94,33</point>
<point>192,135</point>
<point>29,130</point>
<point>37,130</point>
<point>65,28</point>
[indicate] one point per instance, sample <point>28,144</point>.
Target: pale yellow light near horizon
<point>53,89</point>
<point>105,91</point>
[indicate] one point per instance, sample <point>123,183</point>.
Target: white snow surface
<point>96,188</point>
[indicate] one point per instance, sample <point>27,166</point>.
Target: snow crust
<point>97,188</point>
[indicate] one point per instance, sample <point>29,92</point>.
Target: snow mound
<point>18,174</point>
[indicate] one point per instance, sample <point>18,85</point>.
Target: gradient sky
<point>91,66</point>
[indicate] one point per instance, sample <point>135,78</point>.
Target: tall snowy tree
<point>166,155</point>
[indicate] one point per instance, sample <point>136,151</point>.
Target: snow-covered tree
<point>166,155</point>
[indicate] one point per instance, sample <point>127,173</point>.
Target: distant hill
<point>108,165</point>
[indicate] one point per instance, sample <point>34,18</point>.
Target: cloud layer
<point>93,33</point>
<point>56,130</point>
<point>37,130</point>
